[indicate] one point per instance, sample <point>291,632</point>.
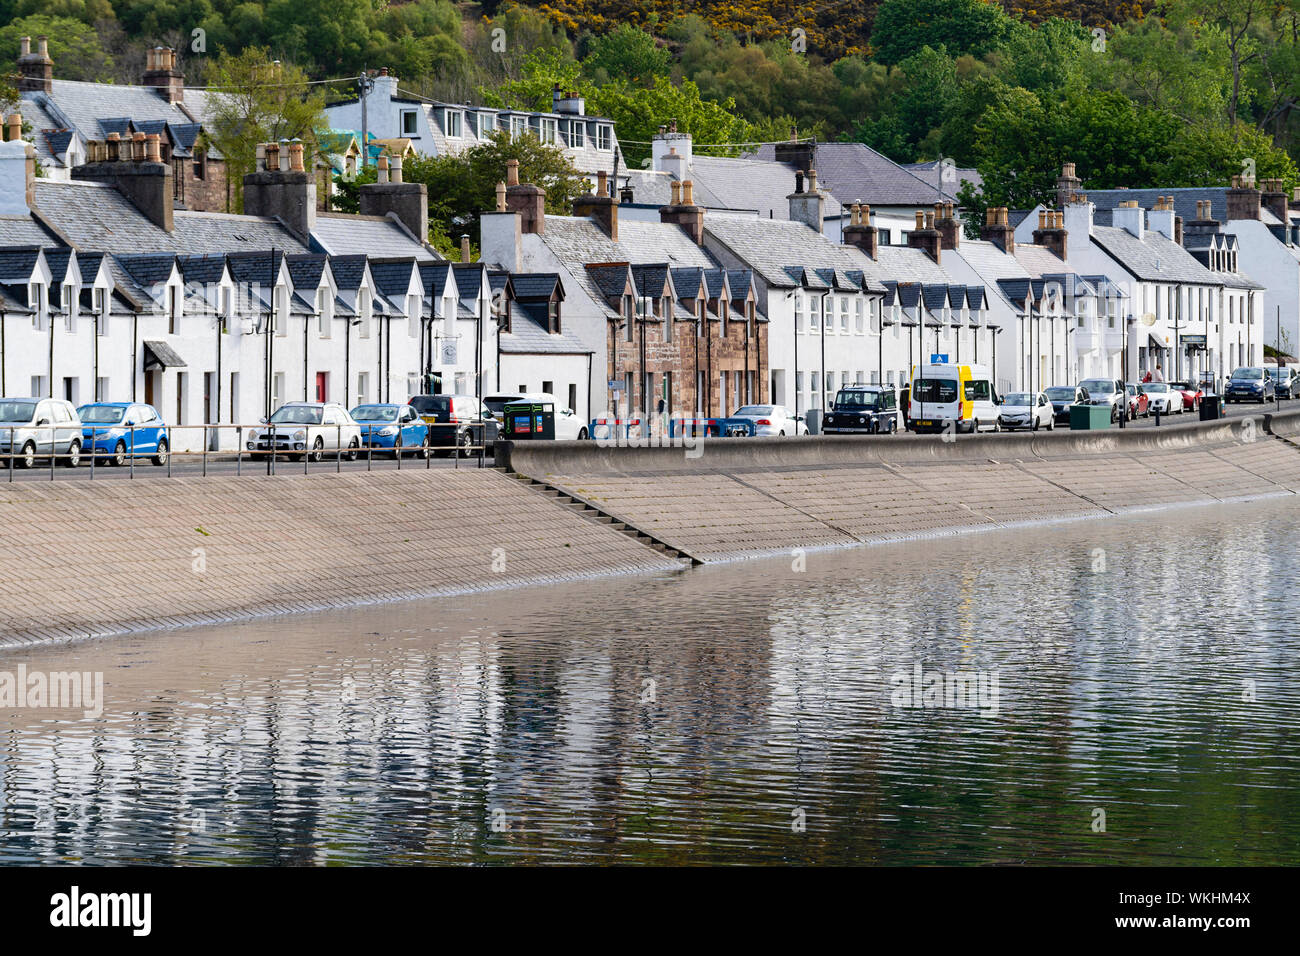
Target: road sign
<point>938,358</point>
<point>615,385</point>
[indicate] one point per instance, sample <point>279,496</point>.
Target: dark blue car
<point>1249,384</point>
<point>116,431</point>
<point>383,426</point>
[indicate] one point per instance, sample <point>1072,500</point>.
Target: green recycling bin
<point>525,421</point>
<point>1088,417</point>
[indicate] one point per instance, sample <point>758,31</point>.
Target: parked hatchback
<point>116,431</point>
<point>396,429</point>
<point>1062,397</point>
<point>32,428</point>
<point>1107,391</point>
<point>1284,381</point>
<point>457,422</point>
<point>307,430</point>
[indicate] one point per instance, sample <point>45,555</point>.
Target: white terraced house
<point>435,128</point>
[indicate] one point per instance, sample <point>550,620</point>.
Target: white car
<point>770,420</point>
<point>1163,399</point>
<point>1030,410</point>
<point>307,429</point>
<point>568,426</point>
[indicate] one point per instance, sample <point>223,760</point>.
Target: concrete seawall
<point>84,559</point>
<point>81,559</point>
<point>737,498</point>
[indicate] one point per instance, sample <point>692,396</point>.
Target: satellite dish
<point>1149,318</point>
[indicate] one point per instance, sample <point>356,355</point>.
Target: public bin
<point>1088,417</point>
<point>1212,408</point>
<point>529,420</point>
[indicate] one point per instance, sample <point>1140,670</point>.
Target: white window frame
<point>453,124</point>
<point>413,116</point>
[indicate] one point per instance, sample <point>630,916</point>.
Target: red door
<point>321,379</point>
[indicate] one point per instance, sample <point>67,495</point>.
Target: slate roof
<point>761,185</point>
<point>781,251</point>
<point>95,216</point>
<point>932,173</point>
<point>535,285</point>
<point>434,275</point>
<point>17,264</point>
<point>348,271</point>
<point>379,236</point>
<point>305,270</point>
<point>529,333</point>
<point>651,280</point>
<point>23,231</point>
<point>392,278</point>
<point>854,172</point>
<point>1153,258</point>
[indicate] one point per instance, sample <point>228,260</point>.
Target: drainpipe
<point>306,326</point>
<point>135,352</point>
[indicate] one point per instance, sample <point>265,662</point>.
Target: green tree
<point>903,27</point>
<point>74,47</point>
<point>258,101</point>
<point>627,53</point>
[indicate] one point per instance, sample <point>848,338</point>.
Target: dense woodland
<point>1187,93</point>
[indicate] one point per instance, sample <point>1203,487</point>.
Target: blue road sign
<point>938,358</point>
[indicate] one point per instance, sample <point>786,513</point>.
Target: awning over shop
<point>161,355</point>
<point>1157,341</point>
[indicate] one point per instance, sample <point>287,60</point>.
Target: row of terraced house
<point>687,288</point>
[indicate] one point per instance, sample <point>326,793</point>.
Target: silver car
<point>306,430</point>
<point>32,428</point>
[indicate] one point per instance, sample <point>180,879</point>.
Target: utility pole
<point>365,84</point>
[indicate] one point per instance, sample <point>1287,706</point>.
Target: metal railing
<point>87,450</point>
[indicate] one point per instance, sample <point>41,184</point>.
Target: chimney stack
<point>279,190</point>
<point>682,210</point>
<point>135,168</point>
<point>948,225</point>
<point>160,72</point>
<point>17,170</point>
<point>600,206</point>
<point>1128,215</point>
<point>35,70</point>
<point>526,199</point>
<point>464,249</point>
<point>860,232</point>
<point>1067,185</point>
<point>390,196</point>
<point>997,229</point>
<point>1274,198</point>
<point>1243,199</point>
<point>925,236</point>
<point>1050,233</point>
<point>806,204</point>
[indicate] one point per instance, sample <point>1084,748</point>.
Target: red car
<point>1192,394</point>
<point>1138,403</point>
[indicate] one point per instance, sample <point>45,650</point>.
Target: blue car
<point>1249,384</point>
<point>116,431</point>
<point>392,427</point>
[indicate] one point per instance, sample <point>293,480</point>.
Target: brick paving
<point>81,560</point>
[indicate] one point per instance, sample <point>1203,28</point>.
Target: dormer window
<point>604,137</point>
<point>453,123</point>
<point>553,316</point>
<point>487,123</point>
<point>324,312</point>
<point>100,297</point>
<point>69,308</point>
<point>548,131</point>
<point>629,317</point>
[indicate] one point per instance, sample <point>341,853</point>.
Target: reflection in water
<point>730,714</point>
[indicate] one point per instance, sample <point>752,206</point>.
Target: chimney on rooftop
<point>135,168</point>
<point>35,70</point>
<point>807,204</point>
<point>1067,184</point>
<point>526,199</point>
<point>860,232</point>
<point>1243,199</point>
<point>17,170</point>
<point>683,212</point>
<point>160,72</point>
<point>799,155</point>
<point>390,196</point>
<point>1050,233</point>
<point>1274,198</point>
<point>276,189</point>
<point>924,236</point>
<point>1128,215</point>
<point>997,229</point>
<point>600,206</point>
<point>945,220</point>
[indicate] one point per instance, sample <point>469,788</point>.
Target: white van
<point>960,394</point>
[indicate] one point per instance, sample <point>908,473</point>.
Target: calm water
<point>1146,669</point>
